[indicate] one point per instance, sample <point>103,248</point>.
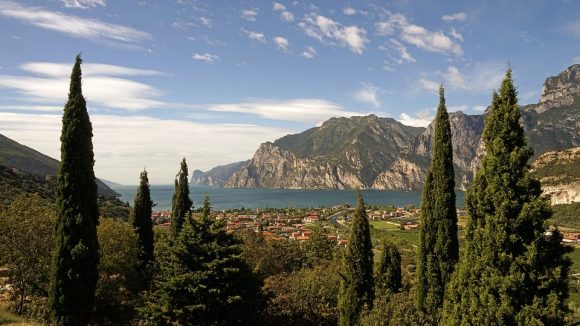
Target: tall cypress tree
<point>388,278</point>
<point>512,272</point>
<point>75,262</point>
<point>181,204</point>
<point>357,284</point>
<point>439,246</point>
<point>140,219</point>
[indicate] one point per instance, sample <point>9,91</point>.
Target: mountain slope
<point>559,173</point>
<point>27,160</point>
<point>216,176</point>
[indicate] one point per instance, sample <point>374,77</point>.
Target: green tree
<point>204,281</point>
<point>181,203</point>
<point>388,278</point>
<point>439,246</point>
<point>26,241</point>
<point>141,221</point>
<point>511,272</point>
<point>319,248</point>
<point>119,273</point>
<point>357,285</point>
<point>74,271</point>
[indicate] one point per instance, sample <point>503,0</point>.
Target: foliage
<point>394,310</point>
<point>566,215</point>
<point>112,207</point>
<point>304,297</point>
<point>141,221</point>
<point>119,272</point>
<point>357,284</point>
<point>75,261</point>
<point>204,280</point>
<point>181,203</point>
<point>319,248</point>
<point>511,272</point>
<point>388,277</point>
<point>271,258</point>
<point>439,245</point>
<point>26,241</point>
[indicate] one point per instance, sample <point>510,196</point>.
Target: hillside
<point>26,160</point>
<point>216,176</point>
<point>559,173</point>
<point>382,153</point>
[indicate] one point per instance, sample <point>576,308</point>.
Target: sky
<point>212,80</point>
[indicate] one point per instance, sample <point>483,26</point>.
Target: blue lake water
<point>223,198</point>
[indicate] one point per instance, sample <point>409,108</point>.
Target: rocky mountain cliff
<point>381,153</point>
<point>559,173</point>
<point>216,176</point>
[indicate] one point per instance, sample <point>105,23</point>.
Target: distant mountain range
<point>27,164</point>
<point>382,153</point>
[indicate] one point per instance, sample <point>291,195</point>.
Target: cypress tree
<point>388,278</point>
<point>141,221</point>
<point>204,280</point>
<point>181,203</point>
<point>74,270</point>
<point>512,272</point>
<point>439,246</point>
<point>357,284</point>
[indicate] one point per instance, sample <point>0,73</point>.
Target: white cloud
<point>87,28</point>
<point>101,86</point>
<point>123,145</point>
<point>430,41</point>
<point>418,120</point>
<point>574,28</point>
<point>281,43</point>
<point>576,60</point>
<point>256,36</point>
<point>206,22</point>
<point>206,57</point>
<point>401,49</point>
<point>36,108</point>
<point>456,34</point>
<point>300,110</point>
<point>369,94</point>
<point>429,85</point>
<point>481,78</point>
<point>349,11</point>
<point>278,7</point>
<point>460,16</point>
<point>249,14</point>
<point>93,69</point>
<point>84,4</point>
<point>327,30</point>
<point>309,52</point>
<point>287,16</point>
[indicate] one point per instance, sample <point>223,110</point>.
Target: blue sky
<point>211,80</point>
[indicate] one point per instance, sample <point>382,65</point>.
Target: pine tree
<point>357,285</point>
<point>204,281</point>
<point>439,246</point>
<point>74,270</point>
<point>512,272</point>
<point>141,221</point>
<point>388,278</point>
<point>181,204</point>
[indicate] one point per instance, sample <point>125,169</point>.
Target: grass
<point>8,318</point>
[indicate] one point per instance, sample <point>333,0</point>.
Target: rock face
<point>216,176</point>
<point>559,173</point>
<point>381,153</point>
<point>560,90</point>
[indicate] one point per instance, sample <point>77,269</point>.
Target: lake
<point>225,198</point>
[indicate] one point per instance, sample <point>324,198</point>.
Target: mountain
<point>342,153</point>
<point>216,176</point>
<point>559,173</point>
<point>382,153</point>
<point>25,160</point>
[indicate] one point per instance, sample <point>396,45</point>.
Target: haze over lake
<point>225,198</point>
